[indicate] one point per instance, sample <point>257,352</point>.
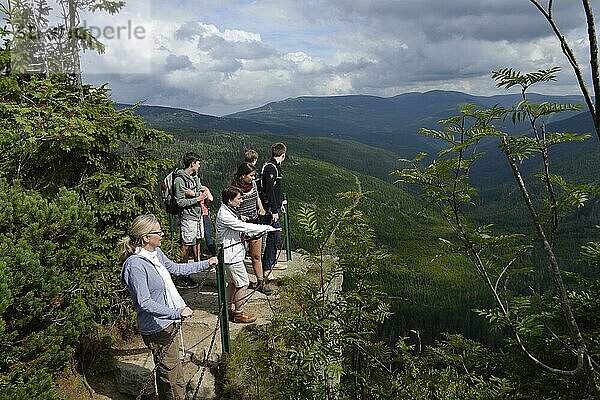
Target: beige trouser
<point>169,373</point>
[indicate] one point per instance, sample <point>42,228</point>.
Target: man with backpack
<point>272,198</point>
<point>189,194</point>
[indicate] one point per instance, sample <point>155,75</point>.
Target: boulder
<point>133,372</point>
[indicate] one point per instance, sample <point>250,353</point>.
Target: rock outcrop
<point>133,370</point>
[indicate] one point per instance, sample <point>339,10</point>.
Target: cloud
<point>224,56</point>
<point>202,67</point>
<point>174,62</point>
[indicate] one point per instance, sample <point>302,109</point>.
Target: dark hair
<point>229,193</point>
<point>278,149</point>
<point>250,155</point>
<point>244,169</point>
<point>190,158</point>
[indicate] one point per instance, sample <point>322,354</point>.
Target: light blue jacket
<point>148,290</point>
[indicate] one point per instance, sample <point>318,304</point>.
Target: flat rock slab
<point>133,370</point>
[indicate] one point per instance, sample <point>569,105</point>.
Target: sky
<point>222,56</point>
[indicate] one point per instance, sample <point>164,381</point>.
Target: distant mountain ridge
<point>387,122</point>
<point>353,115</point>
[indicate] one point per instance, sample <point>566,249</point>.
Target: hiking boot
<point>243,318</point>
<point>186,283</point>
<point>231,314</point>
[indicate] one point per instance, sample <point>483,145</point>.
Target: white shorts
<point>236,274</point>
<point>191,231</point>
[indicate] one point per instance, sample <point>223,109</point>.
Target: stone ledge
<point>133,370</point>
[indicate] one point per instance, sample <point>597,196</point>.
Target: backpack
<point>167,193</point>
<point>258,180</point>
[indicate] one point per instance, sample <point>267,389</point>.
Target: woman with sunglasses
<point>147,273</point>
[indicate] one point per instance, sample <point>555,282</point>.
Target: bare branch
<point>570,54</point>
<point>595,68</point>
<point>559,286</point>
<point>578,370</point>
<point>549,187</point>
<point>506,267</point>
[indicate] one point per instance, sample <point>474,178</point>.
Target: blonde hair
<point>141,225</point>
<point>250,155</point>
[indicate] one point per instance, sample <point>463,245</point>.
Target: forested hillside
<point>390,120</point>
<point>420,284</point>
<point>470,272</point>
<point>429,294</point>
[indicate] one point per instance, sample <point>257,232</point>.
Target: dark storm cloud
<point>441,19</point>
<point>174,62</point>
<point>220,48</point>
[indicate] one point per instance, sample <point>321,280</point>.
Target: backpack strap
<point>262,171</point>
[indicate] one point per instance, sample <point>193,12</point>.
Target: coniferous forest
<point>470,269</point>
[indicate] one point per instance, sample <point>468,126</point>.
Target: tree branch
<point>568,52</point>
<point>595,68</point>
<point>559,284</point>
<point>578,370</point>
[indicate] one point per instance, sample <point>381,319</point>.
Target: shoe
<point>254,285</point>
<point>243,318</point>
<point>231,314</point>
<point>280,266</point>
<point>264,288</point>
<point>186,283</point>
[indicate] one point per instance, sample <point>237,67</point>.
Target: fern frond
<point>508,77</point>
<point>438,134</point>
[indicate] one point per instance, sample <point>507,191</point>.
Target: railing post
<point>223,308</point>
<point>286,223</point>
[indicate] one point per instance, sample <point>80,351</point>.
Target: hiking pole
<point>286,224</point>
<point>223,308</point>
<point>171,219</point>
<point>182,347</point>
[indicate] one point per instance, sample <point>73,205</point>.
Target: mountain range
<point>387,122</point>
<point>327,128</point>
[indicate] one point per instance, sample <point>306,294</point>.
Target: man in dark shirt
<point>272,192</point>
